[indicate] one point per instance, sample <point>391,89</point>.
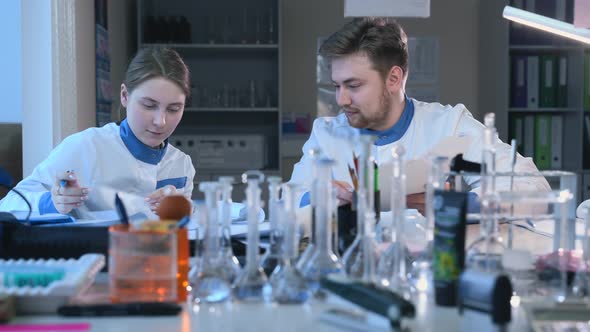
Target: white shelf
<point>231,109</point>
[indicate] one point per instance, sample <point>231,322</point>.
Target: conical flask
<point>251,285</point>
<point>230,262</point>
<point>392,264</point>
<point>210,283</point>
<point>288,285</point>
<point>323,261</point>
<point>307,253</point>
<point>273,253</point>
<point>486,252</point>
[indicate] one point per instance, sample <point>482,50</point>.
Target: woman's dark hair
<point>154,62</point>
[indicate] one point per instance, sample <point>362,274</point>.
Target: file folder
<point>518,89</point>
<point>587,81</point>
<point>529,136</point>
<point>532,81</point>
<point>556,142</point>
<point>547,80</point>
<point>517,132</point>
<point>542,144</point>
<point>561,98</point>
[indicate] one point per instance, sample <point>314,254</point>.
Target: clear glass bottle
<point>230,262</point>
<point>323,261</point>
<point>273,253</point>
<point>288,285</point>
<point>486,252</point>
<point>209,282</point>
<point>252,284</point>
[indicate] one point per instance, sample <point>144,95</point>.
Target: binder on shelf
<point>587,81</point>
<point>587,127</point>
<point>542,145</point>
<point>547,86</point>
<point>528,145</point>
<point>532,81</point>
<point>518,96</point>
<point>517,132</point>
<point>586,193</point>
<point>561,98</point>
<point>556,142</point>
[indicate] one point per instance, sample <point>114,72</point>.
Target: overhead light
<point>545,23</point>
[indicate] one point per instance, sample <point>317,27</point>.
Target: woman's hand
<point>67,194</point>
<point>155,197</point>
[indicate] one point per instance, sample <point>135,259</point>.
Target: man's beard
<point>376,119</point>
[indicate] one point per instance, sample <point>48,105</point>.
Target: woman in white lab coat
<point>83,173</point>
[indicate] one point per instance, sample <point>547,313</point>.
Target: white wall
<point>37,116</point>
<point>10,62</point>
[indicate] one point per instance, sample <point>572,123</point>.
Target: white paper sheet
<point>394,8</point>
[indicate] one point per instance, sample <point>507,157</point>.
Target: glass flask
<point>288,285</point>
<point>392,263</point>
<point>307,253</point>
<point>273,253</point>
<point>209,282</point>
<point>323,261</point>
<point>360,257</point>
<point>230,262</point>
<point>486,252</point>
<point>420,273</point>
<point>251,285</point>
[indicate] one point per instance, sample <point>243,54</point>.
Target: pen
<point>121,309</point>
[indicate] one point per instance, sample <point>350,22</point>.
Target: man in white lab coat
<point>369,59</point>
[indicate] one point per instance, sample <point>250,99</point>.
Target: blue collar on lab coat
<point>398,130</point>
<point>139,150</point>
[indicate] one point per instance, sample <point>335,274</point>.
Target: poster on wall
<point>103,65</point>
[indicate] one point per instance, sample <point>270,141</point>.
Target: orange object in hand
<point>174,207</point>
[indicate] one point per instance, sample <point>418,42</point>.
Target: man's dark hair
<point>381,39</point>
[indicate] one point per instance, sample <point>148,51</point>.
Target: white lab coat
<point>431,123</point>
<point>104,164</point>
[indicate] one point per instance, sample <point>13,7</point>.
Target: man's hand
<point>67,194</point>
<point>343,192</point>
<point>416,201</point>
<point>155,197</point>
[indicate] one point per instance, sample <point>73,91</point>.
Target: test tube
<point>272,254</point>
<point>252,284</point>
<point>230,261</point>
